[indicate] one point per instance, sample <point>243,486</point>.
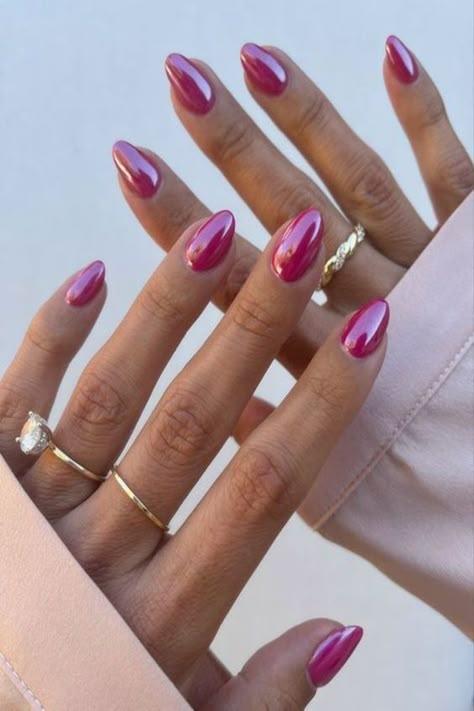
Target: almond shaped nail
<point>137,169</point>
<point>86,284</point>
<point>263,69</point>
<point>401,60</point>
<point>366,328</point>
<point>332,654</point>
<point>211,242</point>
<point>192,88</point>
<point>299,245</point>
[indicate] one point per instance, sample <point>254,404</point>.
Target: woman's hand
<point>361,184</point>
<point>175,591</point>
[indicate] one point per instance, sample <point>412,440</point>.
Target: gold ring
<point>345,250</point>
<point>36,437</point>
<point>137,501</point>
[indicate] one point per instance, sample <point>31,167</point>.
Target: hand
<point>361,184</point>
<point>175,591</point>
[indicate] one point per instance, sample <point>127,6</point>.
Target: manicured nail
<point>299,245</point>
<point>192,88</point>
<point>263,69</point>
<point>366,328</point>
<point>140,174</point>
<point>401,60</point>
<point>209,245</point>
<point>86,284</point>
<point>332,653</point>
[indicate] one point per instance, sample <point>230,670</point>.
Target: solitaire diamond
<point>35,435</point>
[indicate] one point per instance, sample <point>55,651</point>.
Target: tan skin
<point>175,591</point>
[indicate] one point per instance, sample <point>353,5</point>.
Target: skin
<point>175,591</point>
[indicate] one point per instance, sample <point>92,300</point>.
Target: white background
<point>74,77</point>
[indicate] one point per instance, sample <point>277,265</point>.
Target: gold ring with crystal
<point>345,250</point>
<point>137,501</point>
<point>36,437</point>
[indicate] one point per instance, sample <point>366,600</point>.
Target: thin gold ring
<point>36,437</point>
<point>137,501</point>
<point>345,250</point>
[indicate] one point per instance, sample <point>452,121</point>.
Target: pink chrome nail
<point>192,88</point>
<point>209,245</point>
<point>401,60</point>
<point>138,171</point>
<point>263,69</point>
<point>86,284</point>
<point>298,246</point>
<point>366,328</point>
<point>332,653</point>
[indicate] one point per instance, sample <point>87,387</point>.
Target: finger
<point>254,413</point>
<point>358,179</point>
<point>444,163</point>
<point>52,340</point>
<point>225,538</point>
<point>270,184</point>
<point>285,673</point>
<point>201,406</point>
<point>206,679</point>
<point>115,386</point>
<point>168,211</point>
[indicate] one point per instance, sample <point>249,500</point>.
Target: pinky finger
<point>444,163</point>
<point>51,341</point>
<point>287,672</point>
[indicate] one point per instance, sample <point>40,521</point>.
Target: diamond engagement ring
<point>36,436</point>
<point>344,252</point>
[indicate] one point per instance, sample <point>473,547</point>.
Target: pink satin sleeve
<point>398,488</point>
<point>62,644</point>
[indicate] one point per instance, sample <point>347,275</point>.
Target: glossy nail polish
<point>210,244</point>
<point>298,246</point>
<point>86,284</point>
<point>263,69</point>
<point>332,653</point>
<point>366,328</point>
<point>192,88</point>
<point>401,60</point>
<point>138,171</point>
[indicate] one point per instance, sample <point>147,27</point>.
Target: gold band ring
<point>137,501</point>
<point>345,250</point>
<point>36,437</point>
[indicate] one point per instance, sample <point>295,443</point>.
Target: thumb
<point>287,672</point>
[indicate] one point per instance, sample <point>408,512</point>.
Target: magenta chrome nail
<point>192,88</point>
<point>299,245</point>
<point>366,328</point>
<point>263,69</point>
<point>210,244</point>
<point>401,60</point>
<point>86,284</point>
<point>137,169</point>
<point>332,653</point>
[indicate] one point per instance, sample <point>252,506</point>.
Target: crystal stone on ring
<point>35,435</point>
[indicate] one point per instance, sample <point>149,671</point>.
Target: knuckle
<point>237,277</point>
<point>329,398</point>
<point>291,199</point>
<point>263,484</point>
<point>163,304</point>
<point>456,174</point>
<point>312,115</point>
<point>178,214</point>
<point>48,340</point>
<point>253,316</point>
<point>433,112</point>
<point>180,430</point>
<point>231,142</point>
<point>99,402</point>
<point>371,187</point>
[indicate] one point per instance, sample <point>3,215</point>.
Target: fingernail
<point>209,245</point>
<point>140,174</point>
<point>86,284</point>
<point>332,653</point>
<point>263,69</point>
<point>192,88</point>
<point>298,246</point>
<point>401,60</point>
<point>366,328</point>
